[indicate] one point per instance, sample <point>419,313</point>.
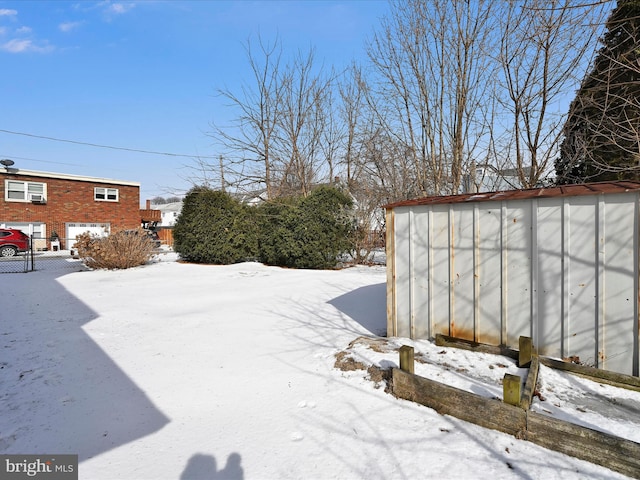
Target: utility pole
<point>221,175</point>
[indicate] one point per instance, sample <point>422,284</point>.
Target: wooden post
<point>530,384</point>
<point>526,352</point>
<point>511,389</point>
<point>406,359</point>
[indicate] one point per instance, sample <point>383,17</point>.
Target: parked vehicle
<point>12,241</point>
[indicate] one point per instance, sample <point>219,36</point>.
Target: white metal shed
<point>559,265</point>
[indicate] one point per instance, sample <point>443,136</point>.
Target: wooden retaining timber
<point>603,376</point>
<point>467,406</point>
<point>447,341</point>
<point>617,454</point>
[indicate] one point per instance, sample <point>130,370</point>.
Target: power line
<point>151,152</point>
<point>15,157</point>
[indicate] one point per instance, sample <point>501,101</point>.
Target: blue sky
<point>144,74</point>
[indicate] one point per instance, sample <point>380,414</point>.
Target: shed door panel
<point>550,278</point>
<point>462,273</point>
<point>619,300</point>
<point>420,288</point>
<point>440,270</point>
<point>403,281</point>
<point>517,281</point>
<point>582,278</point>
<point>489,316</point>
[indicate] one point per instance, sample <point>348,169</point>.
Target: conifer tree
<point>602,132</point>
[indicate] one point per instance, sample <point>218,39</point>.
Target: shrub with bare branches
<point>124,249</point>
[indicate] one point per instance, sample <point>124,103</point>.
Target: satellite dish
<point>6,162</point>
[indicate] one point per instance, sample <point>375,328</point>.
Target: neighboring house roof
<point>168,207</point>
<point>547,192</point>
<point>488,178</point>
<point>252,197</point>
<point>168,212</point>
<point>67,176</point>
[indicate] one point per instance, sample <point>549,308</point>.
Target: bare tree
<point>275,142</point>
<point>352,111</point>
<point>332,132</point>
<point>543,53</point>
<point>249,142</point>
<point>432,79</point>
<point>392,99</point>
<point>456,88</point>
<point>304,93</point>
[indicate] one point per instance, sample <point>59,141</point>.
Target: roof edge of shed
<point>596,188</point>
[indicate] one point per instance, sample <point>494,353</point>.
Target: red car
<point>12,241</point>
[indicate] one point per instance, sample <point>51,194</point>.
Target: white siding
<point>488,273</point>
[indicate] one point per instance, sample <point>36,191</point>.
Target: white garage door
<point>73,229</point>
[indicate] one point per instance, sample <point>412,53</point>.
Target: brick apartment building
<point>41,203</point>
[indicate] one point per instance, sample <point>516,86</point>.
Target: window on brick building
<point>15,191</point>
<point>105,194</point>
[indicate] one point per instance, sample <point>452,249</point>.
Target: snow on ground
<point>178,371</point>
<point>589,403</point>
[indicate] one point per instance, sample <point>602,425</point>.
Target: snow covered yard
<point>181,371</point>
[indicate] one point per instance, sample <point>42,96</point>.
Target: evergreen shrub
<point>277,220</point>
<point>300,232</point>
<point>308,232</point>
<point>215,228</point>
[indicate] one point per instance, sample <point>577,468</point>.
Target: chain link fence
<point>41,255</point>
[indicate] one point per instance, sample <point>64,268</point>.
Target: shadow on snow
<point>366,305</point>
<point>204,467</point>
<point>61,393</point>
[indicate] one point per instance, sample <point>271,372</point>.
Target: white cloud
<point>116,8</point>
<point>23,46</point>
<point>16,46</point>
<point>119,8</point>
<point>68,26</point>
<point>108,8</point>
<point>21,43</point>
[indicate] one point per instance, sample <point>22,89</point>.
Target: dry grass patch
<point>378,375</point>
<point>346,363</point>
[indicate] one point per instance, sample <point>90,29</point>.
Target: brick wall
<point>72,201</point>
